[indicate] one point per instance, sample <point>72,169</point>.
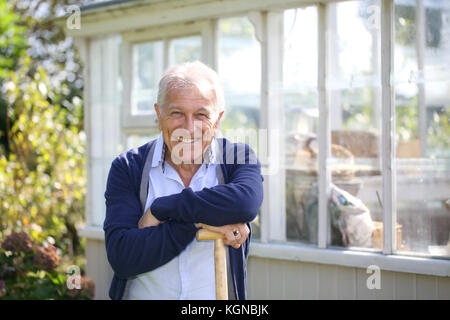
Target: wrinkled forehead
<point>202,92</point>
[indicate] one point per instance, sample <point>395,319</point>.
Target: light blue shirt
<point>190,275</point>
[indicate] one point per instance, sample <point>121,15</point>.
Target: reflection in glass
<point>301,122</point>
<point>147,65</point>
<point>422,84</point>
<point>137,140</point>
<point>185,49</point>
<point>355,213</point>
<point>239,68</point>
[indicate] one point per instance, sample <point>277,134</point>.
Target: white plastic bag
<point>351,218</point>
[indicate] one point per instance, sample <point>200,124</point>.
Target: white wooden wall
<point>102,95</point>
<point>98,268</point>
<point>102,119</point>
<point>282,279</point>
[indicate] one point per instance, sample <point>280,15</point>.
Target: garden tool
<point>220,261</point>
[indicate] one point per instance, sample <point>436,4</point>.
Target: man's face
<point>188,122</point>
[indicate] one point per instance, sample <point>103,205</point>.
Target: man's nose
<point>192,125</point>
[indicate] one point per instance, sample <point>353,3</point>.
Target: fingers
<point>243,232</point>
<point>240,233</point>
<point>234,235</point>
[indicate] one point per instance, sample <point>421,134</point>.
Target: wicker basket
<point>377,235</point>
<point>342,171</point>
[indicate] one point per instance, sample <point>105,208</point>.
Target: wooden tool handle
<point>220,261</point>
<point>205,234</point>
<point>220,266</point>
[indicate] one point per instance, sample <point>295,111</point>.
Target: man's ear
<point>216,125</point>
<point>158,114</point>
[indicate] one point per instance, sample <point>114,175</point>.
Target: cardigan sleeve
<point>236,201</point>
<point>132,251</point>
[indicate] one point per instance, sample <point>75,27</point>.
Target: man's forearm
<point>217,206</point>
<point>135,251</point>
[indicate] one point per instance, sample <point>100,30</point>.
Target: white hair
<point>188,75</point>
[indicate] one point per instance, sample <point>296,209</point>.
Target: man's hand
<point>148,220</point>
<point>235,234</point>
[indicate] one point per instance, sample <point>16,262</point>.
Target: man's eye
<point>203,115</point>
<point>176,113</point>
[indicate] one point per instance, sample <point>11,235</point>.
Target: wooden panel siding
<point>282,279</point>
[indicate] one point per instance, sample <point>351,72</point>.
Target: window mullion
<point>166,53</point>
<point>127,78</point>
<point>273,218</point>
<point>388,126</point>
<point>420,44</point>
<point>264,124</point>
<point>324,135</point>
<point>210,44</point>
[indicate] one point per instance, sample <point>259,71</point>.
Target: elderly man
<point>160,194</point>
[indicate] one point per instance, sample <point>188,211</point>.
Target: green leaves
<point>42,181</point>
<point>12,40</point>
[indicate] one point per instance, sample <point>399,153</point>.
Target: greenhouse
<point>346,103</point>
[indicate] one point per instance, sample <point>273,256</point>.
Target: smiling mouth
<point>187,140</point>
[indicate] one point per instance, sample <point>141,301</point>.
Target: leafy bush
<point>29,271</point>
<point>42,175</point>
<point>42,179</point>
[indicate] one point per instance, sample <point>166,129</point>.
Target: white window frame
<point>273,226</point>
<point>146,124</point>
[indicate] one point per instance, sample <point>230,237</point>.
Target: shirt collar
<point>160,152</point>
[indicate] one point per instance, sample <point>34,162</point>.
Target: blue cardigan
<point>132,251</point>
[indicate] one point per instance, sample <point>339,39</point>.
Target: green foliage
<point>12,41</point>
<point>406,121</point>
<point>42,179</point>
<point>28,27</point>
<point>438,135</point>
<point>357,108</point>
<point>405,26</point>
<point>30,271</point>
<point>12,48</point>
<point>42,174</point>
<point>239,27</point>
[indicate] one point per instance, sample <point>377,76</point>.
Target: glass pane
<point>355,213</point>
<point>422,86</point>
<point>137,140</point>
<point>300,98</point>
<point>185,49</point>
<point>148,66</point>
<point>147,62</point>
<point>239,67</point>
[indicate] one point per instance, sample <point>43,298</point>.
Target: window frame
<point>140,123</point>
<point>271,222</point>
